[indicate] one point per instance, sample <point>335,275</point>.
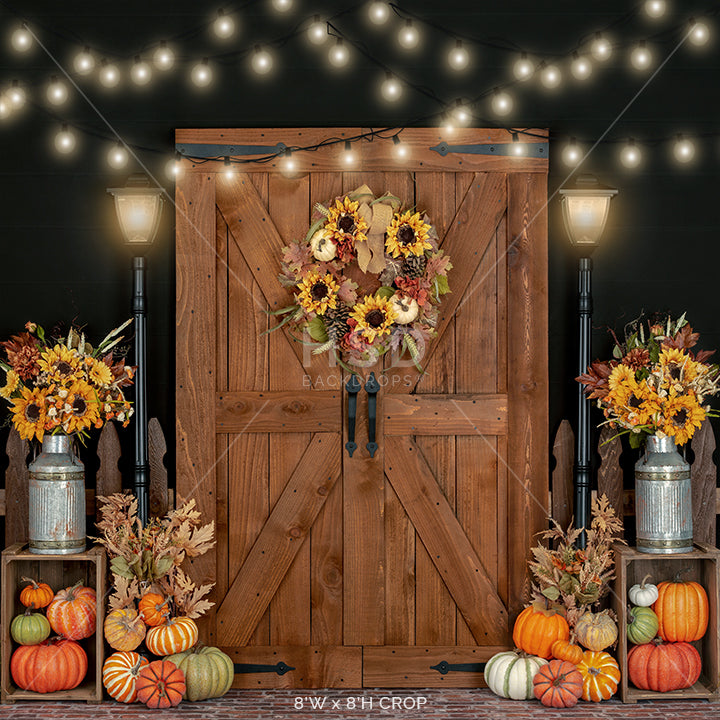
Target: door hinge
<point>445,667</point>
<point>245,668</point>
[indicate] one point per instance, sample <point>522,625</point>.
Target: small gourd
<point>643,594</point>
<point>30,628</point>
<point>322,246</point>
<point>36,594</point>
<point>642,625</point>
<point>406,309</point>
<point>510,674</point>
<point>596,631</point>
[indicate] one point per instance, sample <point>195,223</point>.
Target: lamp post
<point>138,209</point>
<point>585,209</point>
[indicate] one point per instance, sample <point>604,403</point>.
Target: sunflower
<point>346,226</point>
<point>677,367</point>
<point>29,413</point>
<point>642,405</point>
<point>12,380</point>
<point>622,385</point>
<point>81,409</point>
<point>374,316</point>
<point>60,363</point>
<point>683,414</point>
<point>407,235</point>
<point>318,293</point>
<point>98,372</point>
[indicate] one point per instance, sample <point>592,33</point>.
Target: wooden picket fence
<point>611,478</point>
<point>108,480</point>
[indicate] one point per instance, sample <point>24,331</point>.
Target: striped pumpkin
<point>124,629</point>
<point>601,676</point>
<point>510,674</point>
<point>120,673</point>
<point>72,612</point>
<point>176,635</point>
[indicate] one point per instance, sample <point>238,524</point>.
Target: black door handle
<point>353,388</point>
<point>371,388</point>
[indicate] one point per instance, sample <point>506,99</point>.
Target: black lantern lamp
<point>138,207</point>
<point>585,210</point>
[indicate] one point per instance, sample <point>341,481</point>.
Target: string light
<point>21,40</point>
<point>163,57</point>
<point>109,74</point>
<point>448,123</point>
<point>84,62</point>
<point>655,8</point>
<point>458,57</point>
<point>65,140</point>
<point>348,157</point>
<point>224,25</point>
<point>408,37</point>
<point>339,55</point>
<point>461,113</point>
<point>16,95</point>
<point>288,166</point>
<point>641,57</point>
<point>400,149</point>
<point>57,91</point>
<point>581,67</point>
<point>140,72</point>
<point>391,88</point>
<point>117,156</point>
<point>683,149</point>
<point>317,31</point>
<point>501,103</point>
<point>518,148</point>
<point>523,67</point>
<point>699,33</point>
<point>262,61</point>
<point>630,155</point>
<point>550,75</point>
<point>379,12</point>
<point>173,169</point>
<point>571,154</point>
<point>282,5</point>
<point>201,74</point>
<point>228,169</point>
<point>601,48</point>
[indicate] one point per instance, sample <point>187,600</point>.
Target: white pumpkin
<point>406,309</point>
<point>322,246</point>
<point>510,675</point>
<point>643,594</point>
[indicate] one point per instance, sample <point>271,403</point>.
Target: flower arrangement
<point>655,383</point>
<point>395,247</point>
<point>64,385</point>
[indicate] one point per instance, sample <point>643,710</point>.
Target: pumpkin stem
<point>677,579</point>
<point>30,580</point>
<point>644,580</point>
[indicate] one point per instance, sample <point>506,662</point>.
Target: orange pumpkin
<point>72,612</point>
<point>160,684</point>
<point>566,650</point>
<point>124,629</point>
<point>536,629</point>
<point>120,674</point>
<point>50,666</point>
<point>663,667</point>
<point>36,595</point>
<point>601,675</point>
<point>682,611</point>
<point>174,636</point>
<point>558,684</point>
<point>153,609</point>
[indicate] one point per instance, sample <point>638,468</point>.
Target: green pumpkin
<point>30,628</point>
<point>209,672</point>
<point>642,626</point>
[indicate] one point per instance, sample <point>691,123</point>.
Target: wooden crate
<point>59,571</point>
<point>702,566</point>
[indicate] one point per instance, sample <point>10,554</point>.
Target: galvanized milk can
<point>57,499</point>
<point>663,499</point>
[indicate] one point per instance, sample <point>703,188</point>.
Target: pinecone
<point>414,266</point>
<point>336,322</point>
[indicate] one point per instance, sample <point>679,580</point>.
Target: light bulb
<point>228,169</point>
<point>140,72</point>
<point>458,57</point>
<point>699,33</point>
<point>65,140</point>
<point>288,166</point>
<point>348,156</point>
<point>391,88</point>
<point>379,12</point>
<point>109,74</point>
<point>571,154</point>
<point>5,107</point>
<point>683,149</point>
<point>408,37</point>
<point>262,61</point>
<point>448,123</point>
<point>641,57</point>
<point>655,8</point>
<point>163,57</point>
<point>57,91</point>
<point>400,149</point>
<point>21,39</point>
<point>581,67</point>
<point>601,48</point>
<point>550,76</point>
<point>339,55</point>
<point>523,67</point>
<point>84,62</point>
<point>16,96</point>
<point>201,74</point>
<point>173,169</point>
<point>518,148</point>
<point>317,31</point>
<point>224,25</point>
<point>501,103</point>
<point>630,155</point>
<point>282,5</point>
<point>461,113</point>
<point>117,156</point>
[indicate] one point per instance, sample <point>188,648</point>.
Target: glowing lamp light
<point>400,150</point>
<point>502,102</point>
<point>117,156</point>
<point>655,8</point>
<point>223,26</point>
<point>109,74</point>
<point>585,210</point>
<point>5,107</point>
<point>630,155</point>
<point>173,169</point>
<point>461,113</point>
<point>349,158</point>
<point>140,72</point>
<point>138,210</point>
<point>282,5</point>
<point>163,57</point>
<point>572,154</point>
<point>518,148</point>
<point>56,91</point>
<point>339,55</point>
<point>550,76</point>
<point>288,165</point>
<point>523,68</point>
<point>262,61</point>
<point>378,12</point>
<point>21,40</point>
<point>408,37</point>
<point>16,95</point>
<point>84,62</point>
<point>581,67</point>
<point>601,48</point>
<point>317,31</point>
<point>684,149</point>
<point>201,74</point>
<point>458,58</point>
<point>65,140</point>
<point>391,88</point>
<point>641,57</point>
<point>699,33</point>
<point>228,169</point>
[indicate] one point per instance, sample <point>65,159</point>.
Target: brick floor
<point>363,705</point>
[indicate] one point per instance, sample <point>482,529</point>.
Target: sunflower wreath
<point>399,247</point>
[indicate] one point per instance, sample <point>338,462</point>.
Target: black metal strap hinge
<point>445,667</point>
<point>248,668</point>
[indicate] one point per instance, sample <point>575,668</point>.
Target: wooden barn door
<point>400,569</point>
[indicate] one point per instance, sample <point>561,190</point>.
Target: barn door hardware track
<point>533,150</point>
<point>371,388</point>
<point>445,667</point>
<point>248,668</point>
<point>353,387</point>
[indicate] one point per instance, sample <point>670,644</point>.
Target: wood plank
<point>373,156</point>
<point>610,474</point>
<point>281,537</point>
<point>315,666</point>
<point>467,414</point>
<point>195,348</point>
<point>406,667</point>
<point>704,482</point>
<point>159,500</point>
<point>108,479</point>
<point>17,476</point>
<point>527,373</point>
<point>562,475</point>
<point>279,411</point>
<point>445,541</point>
